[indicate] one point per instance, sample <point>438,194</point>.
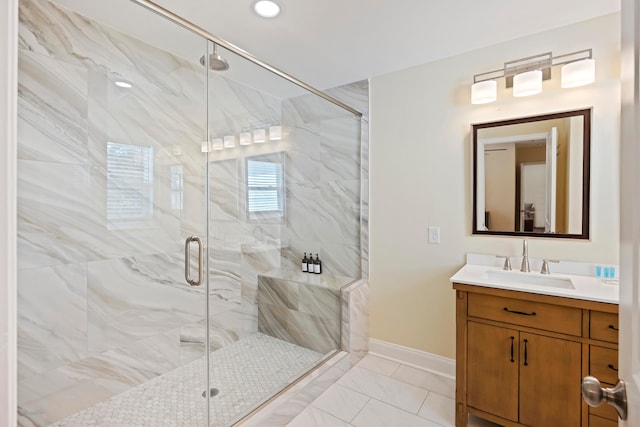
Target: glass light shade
<point>275,133</point>
<point>259,136</point>
<point>217,144</point>
<point>484,92</point>
<point>266,8</point>
<point>578,73</point>
<point>529,83</point>
<point>245,138</point>
<point>229,141</point>
<point>205,146</point>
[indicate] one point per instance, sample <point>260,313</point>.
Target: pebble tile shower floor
<point>246,373</point>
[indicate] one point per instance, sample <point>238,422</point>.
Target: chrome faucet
<point>545,265</point>
<point>525,257</point>
<point>507,262</point>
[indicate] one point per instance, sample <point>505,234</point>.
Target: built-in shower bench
<point>310,310</point>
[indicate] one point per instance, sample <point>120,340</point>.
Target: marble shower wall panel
<point>300,308</point>
<point>224,191</point>
<point>149,117</point>
<point>236,106</point>
<point>323,189</point>
<point>52,31</point>
<point>52,321</point>
<point>256,259</point>
<point>224,272</point>
<point>355,320</point>
<point>357,95</point>
<point>52,110</point>
<point>134,298</point>
<point>56,222</point>
<point>193,220</point>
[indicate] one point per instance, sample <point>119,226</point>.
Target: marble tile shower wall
<point>103,308</point>
<point>324,181</point>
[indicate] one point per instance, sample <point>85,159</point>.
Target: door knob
<point>593,393</point>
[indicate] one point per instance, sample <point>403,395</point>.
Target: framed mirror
<point>531,176</point>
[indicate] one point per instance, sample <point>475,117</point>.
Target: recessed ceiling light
<point>266,8</point>
<point>122,83</point>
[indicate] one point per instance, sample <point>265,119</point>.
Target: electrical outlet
<point>434,235</point>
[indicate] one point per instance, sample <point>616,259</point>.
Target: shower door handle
<point>187,261</point>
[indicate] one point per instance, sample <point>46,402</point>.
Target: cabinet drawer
<point>604,410</point>
<point>603,326</point>
<point>549,317</point>
<point>595,421</point>
<point>603,364</point>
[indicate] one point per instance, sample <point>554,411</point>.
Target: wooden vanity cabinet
<point>521,357</point>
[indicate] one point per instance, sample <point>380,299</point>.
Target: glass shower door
<point>151,130</point>
<point>284,179</point>
<point>151,164</point>
<point>112,184</point>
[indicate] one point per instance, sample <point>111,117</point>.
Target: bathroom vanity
<point>526,340</point>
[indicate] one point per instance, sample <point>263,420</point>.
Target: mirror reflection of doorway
<point>532,196</point>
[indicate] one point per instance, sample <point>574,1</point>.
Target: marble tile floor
<point>246,373</point>
<point>379,392</point>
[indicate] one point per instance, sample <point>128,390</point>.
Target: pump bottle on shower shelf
<point>317,265</point>
<point>309,264</point>
<point>305,263</point>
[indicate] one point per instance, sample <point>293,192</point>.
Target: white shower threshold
<point>245,374</point>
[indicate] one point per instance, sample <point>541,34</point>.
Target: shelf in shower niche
<point>323,280</point>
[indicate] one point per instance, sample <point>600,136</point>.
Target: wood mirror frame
<point>479,224</point>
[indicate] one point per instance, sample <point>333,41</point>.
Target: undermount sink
<point>515,277</point>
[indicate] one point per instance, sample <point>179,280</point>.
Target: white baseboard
<point>409,356</point>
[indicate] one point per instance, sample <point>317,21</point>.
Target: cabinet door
<point>550,375</point>
<point>492,370</point>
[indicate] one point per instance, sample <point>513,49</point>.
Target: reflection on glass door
<point>112,182</point>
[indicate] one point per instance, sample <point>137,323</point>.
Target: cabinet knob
<point>594,394</point>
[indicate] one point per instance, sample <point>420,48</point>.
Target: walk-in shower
<point>161,224</point>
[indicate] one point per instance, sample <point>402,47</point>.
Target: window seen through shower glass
<point>177,182</point>
<point>129,183</point>
<point>265,187</point>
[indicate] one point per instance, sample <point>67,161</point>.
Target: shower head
<point>216,62</point>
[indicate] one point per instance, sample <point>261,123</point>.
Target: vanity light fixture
<point>245,138</point>
<point>525,75</point>
<point>484,92</point>
<point>217,144</point>
<point>266,8</point>
<point>229,141</point>
<point>578,73</point>
<point>275,133</point>
<point>259,135</point>
<point>527,83</point>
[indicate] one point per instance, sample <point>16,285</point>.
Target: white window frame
<point>130,184</point>
<point>271,215</point>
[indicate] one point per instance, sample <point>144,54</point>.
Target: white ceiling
<point>327,43</point>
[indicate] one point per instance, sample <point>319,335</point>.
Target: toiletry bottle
<point>317,265</point>
<point>310,263</point>
<point>305,263</point>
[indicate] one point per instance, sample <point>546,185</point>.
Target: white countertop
<point>585,287</point>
